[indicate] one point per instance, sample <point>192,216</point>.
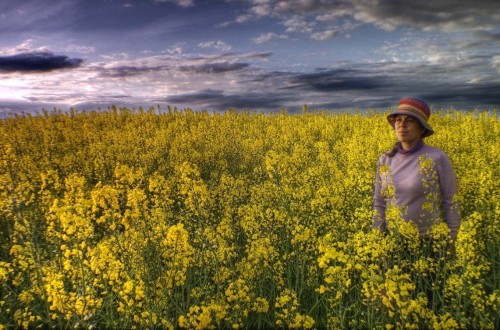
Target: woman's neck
<point>409,145</point>
<point>412,148</point>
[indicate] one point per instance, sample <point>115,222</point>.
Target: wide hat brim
<point>392,119</point>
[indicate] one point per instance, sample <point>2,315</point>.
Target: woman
<point>416,178</point>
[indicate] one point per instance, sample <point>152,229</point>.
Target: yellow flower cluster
<point>182,219</point>
<point>287,315</point>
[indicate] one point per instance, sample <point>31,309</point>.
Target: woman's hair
<point>393,151</point>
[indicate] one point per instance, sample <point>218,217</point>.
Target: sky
<point>257,55</point>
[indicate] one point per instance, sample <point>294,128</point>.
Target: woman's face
<point>408,129</point>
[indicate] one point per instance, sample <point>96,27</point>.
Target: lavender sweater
<point>422,184</point>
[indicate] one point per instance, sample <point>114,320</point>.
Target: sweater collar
<point>419,145</point>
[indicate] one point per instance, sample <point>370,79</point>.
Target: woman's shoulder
<point>384,155</point>
<point>434,153</point>
<point>384,158</point>
<point>432,150</point>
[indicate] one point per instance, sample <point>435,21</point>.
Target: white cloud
<point>82,49</point>
<point>28,46</point>
<point>24,47</point>
<point>174,51</point>
<point>116,56</point>
<point>495,62</point>
<point>266,37</point>
<point>219,45</point>
<point>324,35</point>
<point>298,24</point>
<point>329,16</point>
<point>261,10</point>
<point>244,18</point>
<point>474,81</point>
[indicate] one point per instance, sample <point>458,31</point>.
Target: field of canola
<point>183,219</point>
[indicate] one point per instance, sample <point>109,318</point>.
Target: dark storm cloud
<point>201,96</point>
<point>465,97</point>
<point>125,71</point>
<point>258,56</point>
<point>389,14</point>
<point>219,100</point>
<point>37,62</point>
<point>354,86</point>
<point>169,65</point>
<point>441,14</point>
<point>379,85</point>
<point>480,40</point>
<point>339,80</point>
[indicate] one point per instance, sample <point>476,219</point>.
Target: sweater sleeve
<point>379,202</point>
<point>448,184</point>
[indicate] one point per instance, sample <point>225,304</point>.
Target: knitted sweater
<point>422,184</point>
